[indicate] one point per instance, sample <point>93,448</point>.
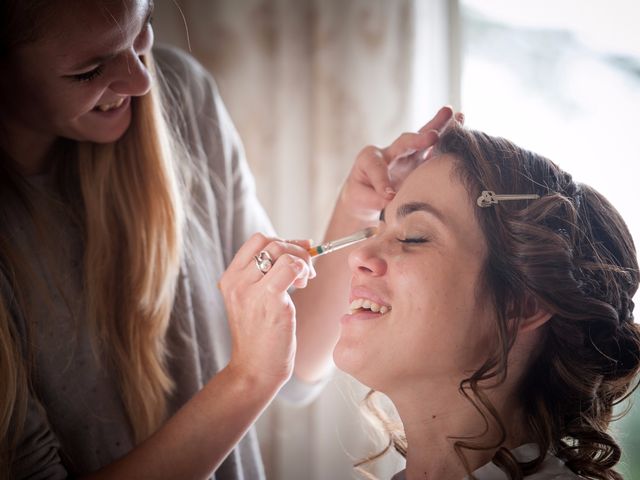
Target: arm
<point>195,441</point>
<point>371,184</point>
<point>261,316</point>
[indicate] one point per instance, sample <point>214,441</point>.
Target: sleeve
<point>248,215</point>
<point>223,187</point>
<point>36,451</point>
<point>213,142</point>
<point>37,454</point>
<point>299,393</point>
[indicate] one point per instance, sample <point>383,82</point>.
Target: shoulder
<point>183,79</point>
<point>175,63</point>
<point>553,469</point>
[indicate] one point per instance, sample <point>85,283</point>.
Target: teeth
<point>366,304</point>
<point>111,106</point>
<point>355,305</point>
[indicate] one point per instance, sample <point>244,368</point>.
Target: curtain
<point>308,83</point>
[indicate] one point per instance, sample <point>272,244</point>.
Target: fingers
<point>426,137</point>
<point>378,172</point>
<point>372,168</point>
<point>248,250</point>
<point>293,249</point>
<point>281,253</point>
<point>274,246</point>
<point>374,165</point>
<point>409,143</point>
<point>286,272</point>
<point>244,272</point>
<point>440,119</point>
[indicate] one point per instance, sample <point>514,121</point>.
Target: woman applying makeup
<point>125,199</point>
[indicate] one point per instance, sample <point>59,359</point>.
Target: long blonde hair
<point>133,217</point>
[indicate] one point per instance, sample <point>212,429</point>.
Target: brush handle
<point>334,245</point>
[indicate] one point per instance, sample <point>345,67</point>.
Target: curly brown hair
<point>571,253</point>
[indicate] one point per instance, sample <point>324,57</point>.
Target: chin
<point>346,359</point>
<point>102,130</point>
<point>108,138</point>
<point>353,363</point>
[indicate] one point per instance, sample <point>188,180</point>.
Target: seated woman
<point>500,328</point>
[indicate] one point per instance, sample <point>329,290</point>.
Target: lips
<point>360,291</point>
<point>365,301</point>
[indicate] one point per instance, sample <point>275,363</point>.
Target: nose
<point>132,77</point>
<point>365,259</point>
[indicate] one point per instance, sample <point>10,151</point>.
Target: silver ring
<point>264,262</point>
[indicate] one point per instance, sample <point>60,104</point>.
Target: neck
<point>431,426</point>
<point>29,150</point>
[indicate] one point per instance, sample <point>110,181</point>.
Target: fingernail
<point>389,192</point>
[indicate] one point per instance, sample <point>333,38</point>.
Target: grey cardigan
<point>75,421</point>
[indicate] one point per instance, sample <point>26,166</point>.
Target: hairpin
<point>488,198</point>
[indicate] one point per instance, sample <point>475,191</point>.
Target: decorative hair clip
<point>488,198</point>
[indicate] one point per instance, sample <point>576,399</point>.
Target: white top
<point>552,467</point>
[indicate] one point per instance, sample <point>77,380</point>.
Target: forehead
<point>437,183</point>
<point>88,27</point>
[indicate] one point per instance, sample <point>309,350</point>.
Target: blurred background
<point>310,82</point>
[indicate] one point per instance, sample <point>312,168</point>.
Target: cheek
<point>440,308</point>
<point>24,95</point>
<point>53,102</point>
<point>75,99</point>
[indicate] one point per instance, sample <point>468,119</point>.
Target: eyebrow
<point>411,207</point>
<point>103,58</point>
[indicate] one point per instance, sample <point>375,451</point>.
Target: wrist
<point>256,382</point>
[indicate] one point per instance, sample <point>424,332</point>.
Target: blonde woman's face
<point>424,268</point>
<point>77,79</point>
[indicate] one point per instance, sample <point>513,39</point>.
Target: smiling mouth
<point>110,106</point>
<point>363,304</point>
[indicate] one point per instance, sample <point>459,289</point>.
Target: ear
<point>535,315</point>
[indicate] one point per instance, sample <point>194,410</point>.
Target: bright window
<point>562,78</point>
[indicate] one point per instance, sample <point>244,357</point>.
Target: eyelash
<point>88,76</point>
<point>414,240</point>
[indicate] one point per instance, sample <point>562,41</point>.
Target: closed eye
<point>413,240</point>
<point>88,76</point>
